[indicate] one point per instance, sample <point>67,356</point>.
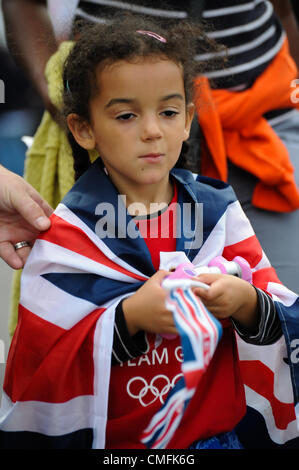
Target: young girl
<point>91,288</point>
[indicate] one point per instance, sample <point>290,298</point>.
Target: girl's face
<point>138,121</point>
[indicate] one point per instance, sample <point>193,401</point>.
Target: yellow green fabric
<point>49,161</point>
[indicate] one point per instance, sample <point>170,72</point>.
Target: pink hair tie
<point>153,35</point>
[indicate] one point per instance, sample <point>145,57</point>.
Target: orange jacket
<point>234,128</point>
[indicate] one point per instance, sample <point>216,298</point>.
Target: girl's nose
<point>151,129</point>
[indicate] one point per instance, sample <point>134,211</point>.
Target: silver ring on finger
<point>19,245</point>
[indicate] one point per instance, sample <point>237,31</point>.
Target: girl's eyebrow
<point>171,96</point>
<point>130,100</point>
<point>117,101</point>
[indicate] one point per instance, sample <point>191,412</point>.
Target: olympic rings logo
<point>157,389</point>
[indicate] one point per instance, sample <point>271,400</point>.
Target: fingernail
<point>42,223</point>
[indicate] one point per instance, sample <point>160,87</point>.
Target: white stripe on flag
<point>225,233</point>
<point>47,257</point>
<point>48,301</point>
<point>238,227</point>
<point>263,406</point>
<point>66,214</point>
<point>272,356</point>
<point>214,244</point>
<point>54,419</point>
<point>103,340</point>
<point>282,294</point>
<point>52,304</point>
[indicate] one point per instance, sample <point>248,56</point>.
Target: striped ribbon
<point>200,333</point>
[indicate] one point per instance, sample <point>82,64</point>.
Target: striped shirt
<point>250,31</point>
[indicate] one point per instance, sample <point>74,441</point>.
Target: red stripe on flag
<point>69,236</point>
<point>250,249</point>
<point>260,378</point>
<point>47,363</point>
<point>263,276</point>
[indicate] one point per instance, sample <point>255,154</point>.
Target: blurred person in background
<point>20,113</point>
<point>21,109</point>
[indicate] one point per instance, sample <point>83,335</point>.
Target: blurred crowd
<point>20,110</point>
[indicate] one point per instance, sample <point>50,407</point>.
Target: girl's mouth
<point>152,157</point>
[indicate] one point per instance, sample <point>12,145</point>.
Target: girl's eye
<point>125,117</point>
<point>169,113</point>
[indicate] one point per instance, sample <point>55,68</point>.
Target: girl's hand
<point>146,310</point>
<point>230,296</point>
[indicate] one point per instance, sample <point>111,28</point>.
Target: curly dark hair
<point>119,40</point>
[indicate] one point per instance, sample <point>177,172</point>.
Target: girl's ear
<point>81,131</point>
<point>190,109</point>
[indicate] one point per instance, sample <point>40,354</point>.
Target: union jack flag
<point>58,368</point>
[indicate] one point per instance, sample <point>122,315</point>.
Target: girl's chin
<point>153,176</point>
<point>153,181</point>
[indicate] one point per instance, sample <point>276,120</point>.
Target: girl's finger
<point>209,278</point>
<point>200,292</point>
<point>215,292</point>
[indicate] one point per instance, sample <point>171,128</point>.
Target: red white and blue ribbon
<point>200,333</point>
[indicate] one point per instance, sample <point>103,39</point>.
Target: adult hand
<point>23,215</point>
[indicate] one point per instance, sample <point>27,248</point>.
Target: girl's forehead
<point>136,60</point>
<point>128,73</point>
